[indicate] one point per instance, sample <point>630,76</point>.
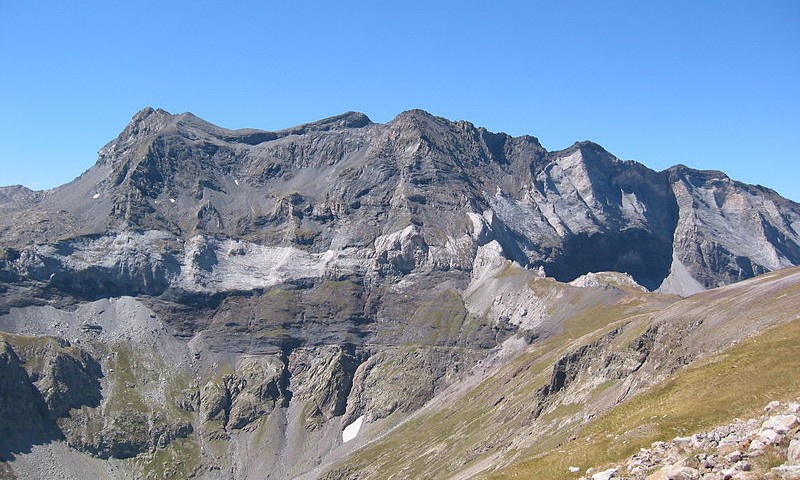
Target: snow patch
<point>236,181</point>
<point>171,200</point>
<point>351,430</point>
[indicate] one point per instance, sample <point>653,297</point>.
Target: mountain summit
<point>455,186</point>
<point>345,299</point>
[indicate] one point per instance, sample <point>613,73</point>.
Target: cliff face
<point>209,293</point>
<point>417,194</point>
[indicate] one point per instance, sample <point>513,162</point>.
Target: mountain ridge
<point>227,303</point>
<point>159,156</point>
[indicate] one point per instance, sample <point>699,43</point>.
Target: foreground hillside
<point>614,380</point>
<point>620,371</point>
<point>345,299</point>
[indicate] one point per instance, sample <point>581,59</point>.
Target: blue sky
<point>713,85</point>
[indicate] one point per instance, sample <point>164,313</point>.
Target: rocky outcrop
<point>764,447</point>
<point>404,379</point>
<point>126,433</point>
<point>20,405</point>
<point>44,380</point>
<point>322,379</point>
<point>590,365</point>
<point>251,392</point>
<point>727,231</point>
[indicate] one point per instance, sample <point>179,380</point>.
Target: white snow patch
<point>351,430</point>
<point>171,200</point>
<point>96,195</point>
<point>236,181</point>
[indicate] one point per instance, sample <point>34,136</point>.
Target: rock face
<point>201,294</point>
<point>174,202</point>
<point>239,398</point>
<point>43,379</point>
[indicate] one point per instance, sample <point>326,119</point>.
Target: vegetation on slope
<point>736,383</point>
<point>515,423</point>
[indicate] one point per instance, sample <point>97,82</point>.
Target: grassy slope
<point>736,383</point>
<point>486,418</point>
<point>491,424</point>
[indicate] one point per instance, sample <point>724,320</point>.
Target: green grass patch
<point>443,318</point>
<point>177,460</point>
<point>123,369</point>
<point>736,383</point>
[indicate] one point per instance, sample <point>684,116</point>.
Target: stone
<point>675,472</point>
<point>756,447</point>
<point>781,423</point>
<point>772,406</point>
<point>728,473</point>
<point>769,437</point>
<point>712,476</point>
<point>793,453</point>
<point>606,474</point>
<point>733,457</point>
<point>787,472</point>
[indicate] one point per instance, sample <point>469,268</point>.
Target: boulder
<point>781,423</point>
<point>793,454</point>
<point>606,474</point>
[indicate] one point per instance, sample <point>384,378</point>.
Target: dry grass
<point>737,383</point>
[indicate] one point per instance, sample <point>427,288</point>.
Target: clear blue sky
<point>714,85</point>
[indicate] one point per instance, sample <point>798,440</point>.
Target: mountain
<point>241,303</point>
<point>346,183</point>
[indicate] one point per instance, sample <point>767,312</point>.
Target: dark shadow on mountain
<point>27,418</point>
<point>636,252</point>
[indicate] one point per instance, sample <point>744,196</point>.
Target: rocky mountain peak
<point>345,120</point>
<point>345,179</point>
<point>144,124</point>
<point>215,303</point>
<point>148,120</point>
<point>148,111</point>
<point>15,192</point>
<point>416,114</point>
